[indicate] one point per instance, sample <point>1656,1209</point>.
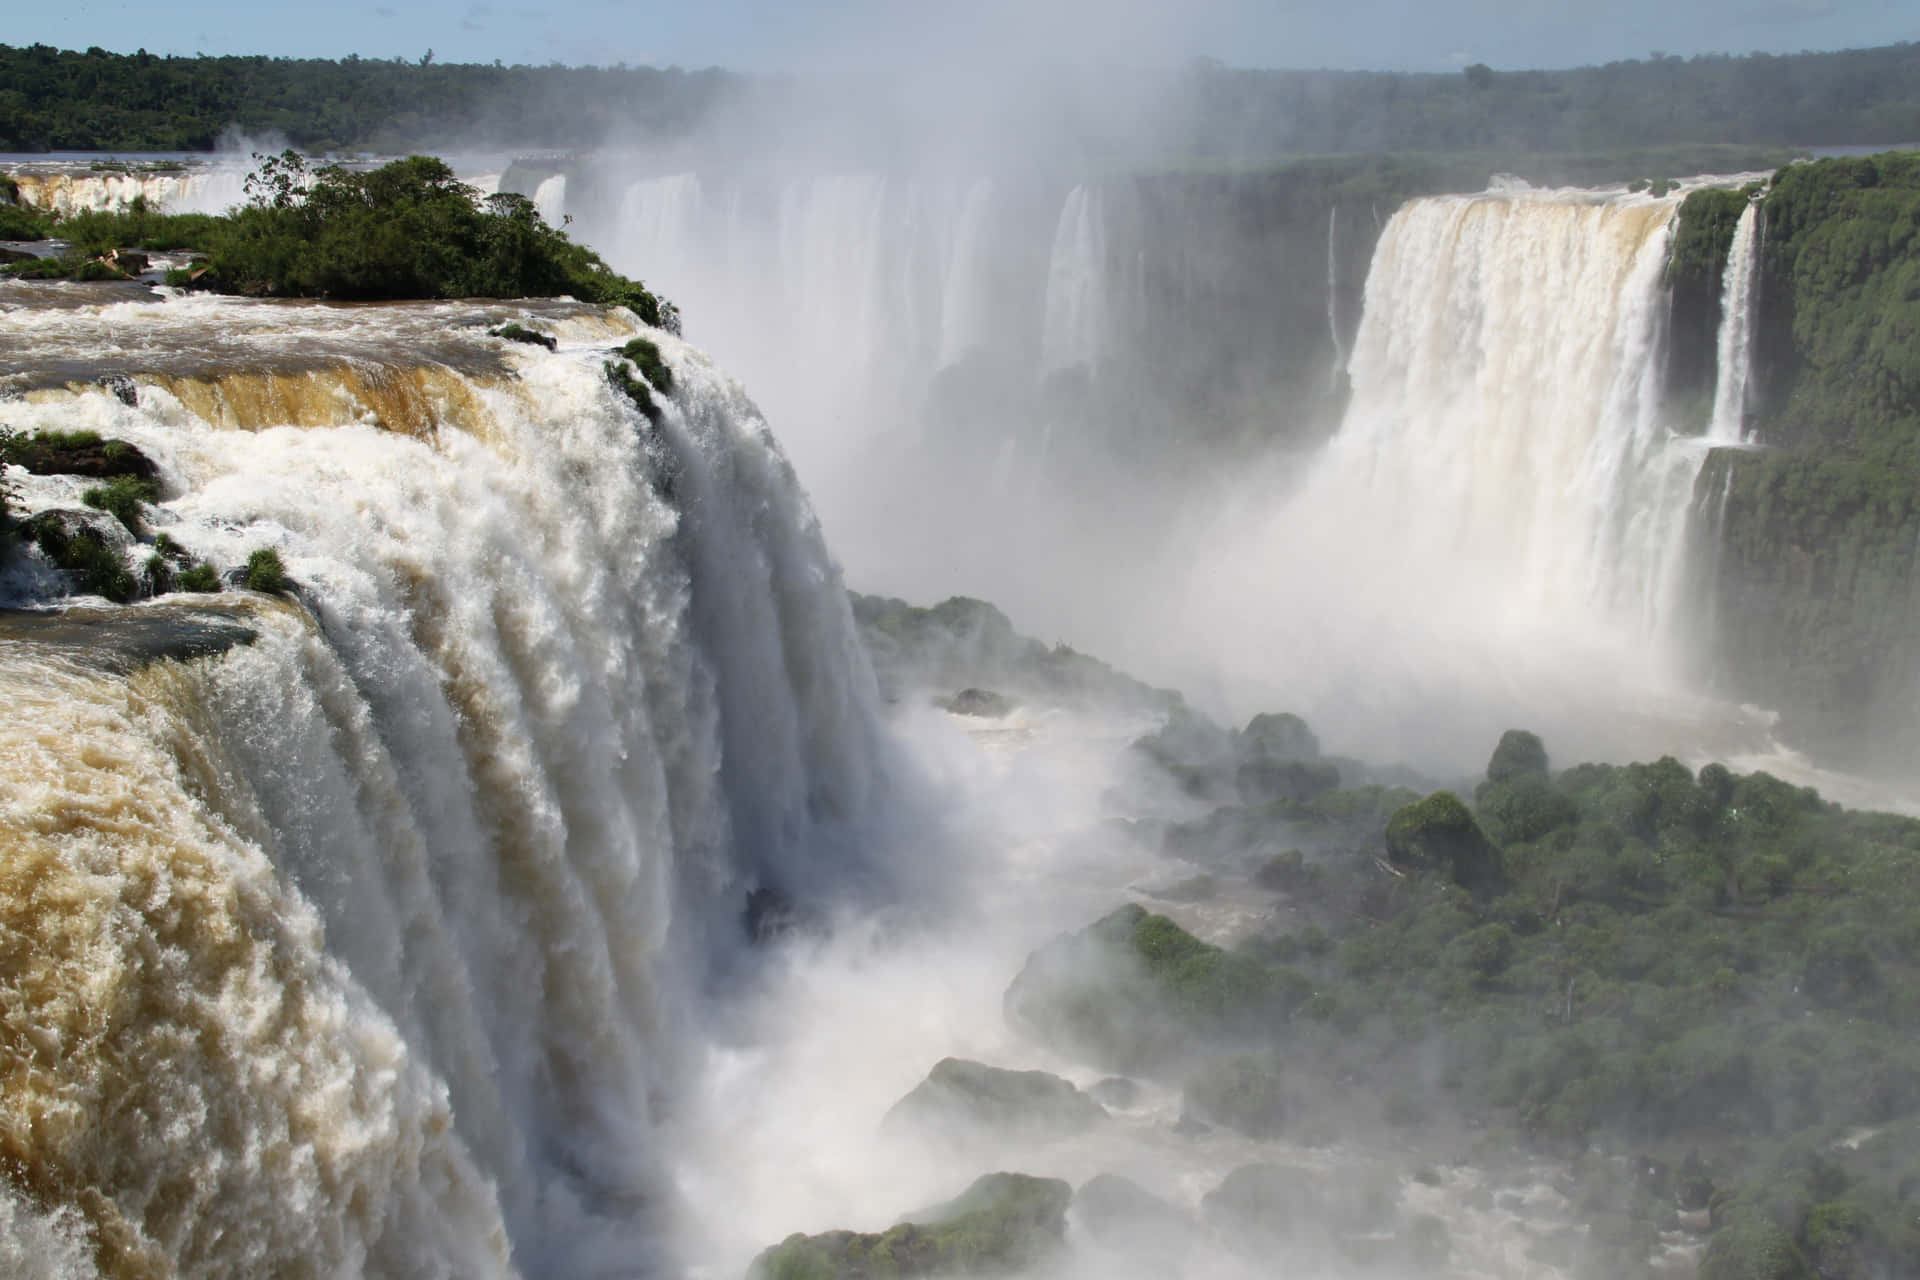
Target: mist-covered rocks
<point>962,1101</point>
<point>1002,1224</point>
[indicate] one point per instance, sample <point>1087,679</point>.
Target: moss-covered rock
<point>1439,834</point>
<point>1136,992</point>
<point>1130,1220</point>
<point>961,1100</point>
<point>1241,1093</point>
<point>1002,1224</point>
<point>76,453</point>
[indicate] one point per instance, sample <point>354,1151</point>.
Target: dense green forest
<point>59,100</point>
<point>51,100</point>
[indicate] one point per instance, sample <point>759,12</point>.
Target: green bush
<point>265,573</point>
<point>97,567</point>
<point>122,498</point>
<point>645,354</point>
<point>201,577</point>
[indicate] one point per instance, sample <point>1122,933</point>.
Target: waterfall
<point>368,946</point>
<point>1496,533</point>
<point>196,188</point>
<point>1076,309</point>
<point>660,220</point>
<point>1506,408</point>
<point>964,304</point>
<point>1735,345</point>
<point>550,198</point>
<point>1333,300</point>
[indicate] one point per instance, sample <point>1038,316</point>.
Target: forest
<point>53,99</point>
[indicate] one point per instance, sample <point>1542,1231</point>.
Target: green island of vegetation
<point>408,229</point>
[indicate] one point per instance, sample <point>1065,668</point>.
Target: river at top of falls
<point>369,945</point>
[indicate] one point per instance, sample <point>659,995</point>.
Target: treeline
<point>1860,96</point>
<point>51,100</point>
<point>99,101</point>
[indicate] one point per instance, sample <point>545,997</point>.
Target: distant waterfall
<point>195,188</point>
<point>965,315</point>
<point>1077,318</point>
<point>1735,345</point>
<point>369,947</point>
<point>1505,400</point>
<point>550,198</point>
<point>1333,299</point>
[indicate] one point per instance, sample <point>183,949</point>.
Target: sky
<point>808,35</point>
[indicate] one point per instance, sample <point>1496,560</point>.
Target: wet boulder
<point>1125,1217</point>
<point>962,1100</point>
<point>1002,1224</point>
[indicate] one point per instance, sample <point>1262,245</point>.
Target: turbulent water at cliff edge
<point>359,931</point>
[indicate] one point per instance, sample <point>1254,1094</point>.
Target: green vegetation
<point>1817,568</point>
<point>122,497</point>
<point>405,230</point>
<point>96,565</point>
<point>265,573</point>
<point>1002,1224</point>
<point>100,101</point>
<point>645,354</point>
<point>201,577</point>
<point>1716,974</point>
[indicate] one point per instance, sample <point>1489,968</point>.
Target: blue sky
<point>839,34</point>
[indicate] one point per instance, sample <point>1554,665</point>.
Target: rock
<point>1136,993</point>
<point>962,1100</point>
<point>1003,1223</point>
<point>131,261</point>
<point>10,256</point>
<point>1128,1219</point>
<point>984,703</point>
<point>772,914</point>
<point>1278,736</point>
<point>1439,834</point>
<point>1262,1204</point>
<point>81,453</point>
<point>1238,1094</point>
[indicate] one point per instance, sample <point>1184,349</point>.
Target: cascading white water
<point>550,198</point>
<point>188,189</point>
<point>1506,403</point>
<point>965,315</point>
<point>1498,528</point>
<point>1734,347</point>
<point>368,947</point>
<point>1075,332</point>
<point>1333,299</point>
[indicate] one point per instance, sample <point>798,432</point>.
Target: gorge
<point>543,883</point>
